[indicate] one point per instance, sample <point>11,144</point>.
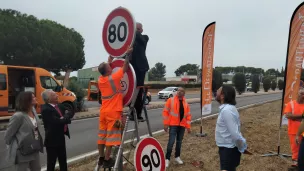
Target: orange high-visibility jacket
<point>171,113</point>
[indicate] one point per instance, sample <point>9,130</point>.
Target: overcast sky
<point>250,33</point>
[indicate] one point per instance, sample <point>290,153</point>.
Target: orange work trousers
<point>108,134</point>
<point>294,146</point>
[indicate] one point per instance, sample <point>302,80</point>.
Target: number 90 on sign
<point>150,159</point>
<point>117,32</point>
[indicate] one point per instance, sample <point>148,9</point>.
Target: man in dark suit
<point>141,66</point>
<point>55,119</point>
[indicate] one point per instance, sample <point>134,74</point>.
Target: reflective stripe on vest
<point>113,89</point>
<point>172,109</point>
<point>292,107</point>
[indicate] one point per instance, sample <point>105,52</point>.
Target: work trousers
<point>294,146</point>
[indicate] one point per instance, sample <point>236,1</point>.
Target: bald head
<point>139,27</point>
<point>180,92</point>
<point>104,69</point>
<point>301,95</point>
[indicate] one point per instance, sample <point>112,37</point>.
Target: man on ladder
<point>111,110</point>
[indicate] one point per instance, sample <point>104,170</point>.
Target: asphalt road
<point>90,104</point>
<point>84,132</point>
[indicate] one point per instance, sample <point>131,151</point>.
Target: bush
<point>79,92</point>
<point>239,81</point>
<point>255,83</point>
<point>281,84</point>
<point>273,85</point>
<point>266,84</point>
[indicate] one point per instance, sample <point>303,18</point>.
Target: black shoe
<point>100,161</point>
<point>131,118</point>
<point>140,119</point>
<point>108,163</point>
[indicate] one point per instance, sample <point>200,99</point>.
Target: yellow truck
<point>15,79</point>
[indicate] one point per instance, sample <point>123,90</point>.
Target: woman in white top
<point>23,135</point>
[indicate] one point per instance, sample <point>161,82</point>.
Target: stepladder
<point>133,134</point>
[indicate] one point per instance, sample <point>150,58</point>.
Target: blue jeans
<point>178,133</point>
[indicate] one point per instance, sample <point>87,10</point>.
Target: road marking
<point>90,154</point>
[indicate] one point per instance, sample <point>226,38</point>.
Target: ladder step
<point>130,130</point>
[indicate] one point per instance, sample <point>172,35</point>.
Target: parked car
<point>167,92</point>
<point>249,86</point>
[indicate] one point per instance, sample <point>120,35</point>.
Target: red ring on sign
<point>132,80</point>
<point>131,31</point>
<point>142,144</point>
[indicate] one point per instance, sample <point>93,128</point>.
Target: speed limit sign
<point>149,155</point>
<point>128,82</point>
<point>118,32</point>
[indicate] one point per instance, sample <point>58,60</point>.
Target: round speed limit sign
<point>118,32</point>
<point>149,155</point>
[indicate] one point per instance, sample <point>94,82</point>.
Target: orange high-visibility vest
<point>111,94</point>
<point>171,116</point>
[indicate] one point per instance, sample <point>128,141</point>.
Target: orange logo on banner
<point>207,68</point>
<point>295,53</point>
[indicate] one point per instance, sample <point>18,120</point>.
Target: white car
<point>167,92</point>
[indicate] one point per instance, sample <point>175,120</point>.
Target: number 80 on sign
<point>118,32</point>
<point>149,155</point>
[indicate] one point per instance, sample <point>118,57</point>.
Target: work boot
<point>108,163</point>
<point>99,164</point>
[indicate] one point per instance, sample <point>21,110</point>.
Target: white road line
<point>89,154</point>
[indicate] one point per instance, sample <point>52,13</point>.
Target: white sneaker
<point>167,163</point>
<point>178,160</point>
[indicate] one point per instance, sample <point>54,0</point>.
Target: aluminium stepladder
<point>119,157</point>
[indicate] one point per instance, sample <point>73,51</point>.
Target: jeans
<point>301,156</point>
<point>178,133</point>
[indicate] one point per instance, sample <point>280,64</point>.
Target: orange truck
<point>94,94</point>
<point>15,79</point>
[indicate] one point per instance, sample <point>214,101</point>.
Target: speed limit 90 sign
<point>149,155</point>
<point>118,32</point>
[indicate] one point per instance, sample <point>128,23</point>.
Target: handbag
<point>31,145</point>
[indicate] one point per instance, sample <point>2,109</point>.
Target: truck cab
<point>16,79</point>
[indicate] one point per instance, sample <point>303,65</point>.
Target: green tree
<point>272,72</point>
<point>75,87</point>
<point>281,84</point>
<point>218,80</point>
<point>158,72</point>
<point>273,85</point>
<point>266,84</point>
<point>190,69</point>
<point>28,41</point>
<point>255,83</point>
<point>239,81</point>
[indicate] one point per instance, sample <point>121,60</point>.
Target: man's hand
<point>166,128</point>
<point>247,152</point>
<point>110,59</point>
<point>130,50</point>
<point>289,116</point>
<point>189,130</point>
<point>297,140</point>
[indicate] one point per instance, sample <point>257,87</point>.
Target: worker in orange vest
<point>111,110</point>
<point>176,117</point>
<point>294,112</point>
